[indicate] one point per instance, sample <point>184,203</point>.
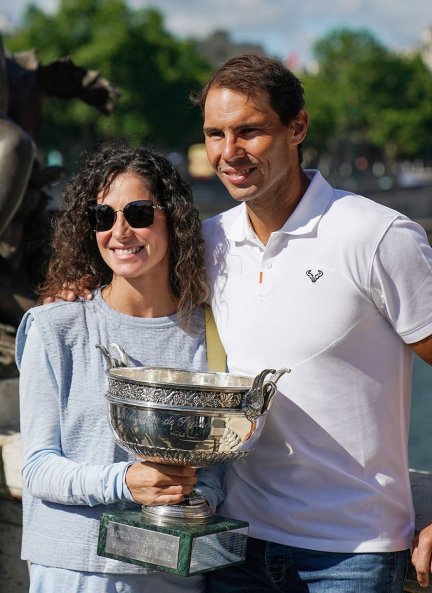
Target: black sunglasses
<point>138,215</point>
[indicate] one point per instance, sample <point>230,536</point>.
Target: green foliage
<point>154,71</point>
<point>363,89</point>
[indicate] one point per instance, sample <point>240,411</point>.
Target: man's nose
<point>231,148</point>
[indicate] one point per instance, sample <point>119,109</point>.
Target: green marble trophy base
<point>180,547</point>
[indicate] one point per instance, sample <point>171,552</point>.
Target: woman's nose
<point>120,228</point>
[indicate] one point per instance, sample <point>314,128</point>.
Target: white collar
<point>302,221</point>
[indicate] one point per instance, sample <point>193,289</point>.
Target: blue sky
<point>283,27</point>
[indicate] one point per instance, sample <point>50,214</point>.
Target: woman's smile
<point>127,251</point>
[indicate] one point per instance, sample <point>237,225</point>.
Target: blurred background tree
<point>365,102</point>
<point>154,71</point>
<point>363,92</point>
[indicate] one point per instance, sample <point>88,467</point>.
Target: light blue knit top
<point>72,468</point>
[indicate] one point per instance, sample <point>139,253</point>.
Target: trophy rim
<point>198,380</point>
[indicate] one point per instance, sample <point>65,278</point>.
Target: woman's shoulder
<point>58,317</point>
<point>59,310</point>
<point>55,325</point>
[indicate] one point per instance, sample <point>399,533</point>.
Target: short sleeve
<point>401,279</point>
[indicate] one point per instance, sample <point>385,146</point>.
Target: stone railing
<point>13,570</point>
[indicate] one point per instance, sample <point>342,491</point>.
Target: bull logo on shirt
<point>314,277</point>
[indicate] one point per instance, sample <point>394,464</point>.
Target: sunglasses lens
<point>139,214</point>
<point>101,217</point>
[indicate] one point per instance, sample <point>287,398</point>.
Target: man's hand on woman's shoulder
<point>70,292</point>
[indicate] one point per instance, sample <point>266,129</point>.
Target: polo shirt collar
<point>303,220</point>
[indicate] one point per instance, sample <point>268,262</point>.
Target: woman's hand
<point>153,483</point>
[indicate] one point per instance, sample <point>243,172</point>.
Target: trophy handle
<point>259,398</point>
<point>111,361</point>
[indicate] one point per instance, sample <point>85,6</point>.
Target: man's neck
<point>269,216</point>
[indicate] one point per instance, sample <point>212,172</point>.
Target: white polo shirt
<point>335,295</point>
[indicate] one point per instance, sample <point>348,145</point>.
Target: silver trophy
<point>181,417</point>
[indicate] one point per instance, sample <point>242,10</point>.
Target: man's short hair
<point>250,74</point>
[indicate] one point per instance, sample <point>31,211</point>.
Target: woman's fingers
<point>153,483</point>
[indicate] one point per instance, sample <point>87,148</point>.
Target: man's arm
<point>423,349</point>
<point>422,544</point>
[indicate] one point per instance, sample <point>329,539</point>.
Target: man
<point>338,288</point>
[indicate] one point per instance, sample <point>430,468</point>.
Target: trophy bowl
<point>192,418</point>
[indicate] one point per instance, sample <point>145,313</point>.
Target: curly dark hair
<point>75,256</point>
<point>251,74</point>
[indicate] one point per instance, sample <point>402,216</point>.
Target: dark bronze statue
<point>25,84</point>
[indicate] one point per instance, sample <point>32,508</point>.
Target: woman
<point>129,225</point>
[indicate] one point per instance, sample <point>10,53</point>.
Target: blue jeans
<point>275,568</point>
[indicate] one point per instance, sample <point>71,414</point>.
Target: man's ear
<point>299,126</point>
